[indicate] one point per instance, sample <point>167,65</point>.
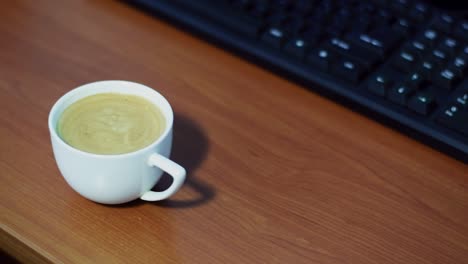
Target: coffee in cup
<point>111,123</point>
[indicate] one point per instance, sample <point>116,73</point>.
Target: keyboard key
<point>401,6</point>
<point>419,12</point>
<point>382,2</point>
<point>438,54</point>
<point>449,46</point>
<point>405,61</point>
<point>400,93</point>
<point>349,70</point>
<point>379,84</point>
<point>363,18</point>
<point>297,47</point>
<point>426,69</point>
<point>464,52</point>
<point>276,19</point>
<point>324,7</point>
<point>379,42</point>
<point>281,4</point>
<point>364,8</point>
<point>339,44</point>
<point>312,35</point>
<point>342,15</point>
<point>242,4</point>
<point>461,30</point>
<point>422,103</point>
<point>382,18</point>
<point>321,58</point>
<point>316,19</point>
<point>362,56</point>
<point>274,36</point>
<point>402,25</point>
<point>439,57</point>
<point>360,27</point>
<point>417,47</point>
<point>444,22</point>
<point>293,25</point>
<point>429,37</point>
<point>303,6</point>
<point>447,79</point>
<point>462,100</point>
<point>460,66</point>
<point>415,80</point>
<point>456,118</point>
<point>335,29</point>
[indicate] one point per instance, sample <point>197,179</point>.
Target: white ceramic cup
<point>114,179</point>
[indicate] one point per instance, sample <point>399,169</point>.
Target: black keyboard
<point>402,62</point>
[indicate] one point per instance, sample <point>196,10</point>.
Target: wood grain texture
<point>277,174</point>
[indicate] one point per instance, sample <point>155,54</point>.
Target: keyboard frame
<point>357,99</point>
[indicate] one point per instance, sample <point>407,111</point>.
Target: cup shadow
<point>189,149</point>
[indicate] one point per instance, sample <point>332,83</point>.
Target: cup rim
<point>72,92</point>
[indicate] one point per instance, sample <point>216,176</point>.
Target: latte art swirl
<point>111,123</point>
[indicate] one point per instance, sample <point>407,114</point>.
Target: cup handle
<point>175,170</point>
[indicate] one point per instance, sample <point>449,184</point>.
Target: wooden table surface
<point>276,173</point>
